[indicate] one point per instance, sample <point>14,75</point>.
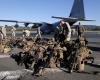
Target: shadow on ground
<point>94,48</point>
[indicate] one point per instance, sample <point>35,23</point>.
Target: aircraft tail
<point>78,10</point>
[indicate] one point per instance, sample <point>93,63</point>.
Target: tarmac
<point>9,70</point>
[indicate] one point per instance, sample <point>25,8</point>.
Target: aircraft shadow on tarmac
<point>94,48</point>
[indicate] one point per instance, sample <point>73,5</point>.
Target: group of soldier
<point>60,51</point>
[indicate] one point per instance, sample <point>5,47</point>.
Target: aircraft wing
<point>8,21</point>
<point>70,19</point>
<point>15,21</point>
<point>26,23</point>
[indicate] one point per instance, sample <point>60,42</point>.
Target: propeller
<point>36,25</point>
<point>26,24</point>
<point>16,25</point>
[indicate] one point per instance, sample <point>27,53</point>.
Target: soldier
<point>38,61</point>
<point>80,53</point>
<point>66,30</point>
<point>23,35</point>
<point>27,59</point>
<point>81,41</point>
<point>49,54</point>
<point>80,30</point>
<point>56,34</point>
<point>38,33</point>
<point>60,55</point>
<point>26,33</point>
<point>1,41</point>
<point>13,32</point>
<point>1,37</point>
<point>4,31</point>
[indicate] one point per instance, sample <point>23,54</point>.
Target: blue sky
<point>42,10</point>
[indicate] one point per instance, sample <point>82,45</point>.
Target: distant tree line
<point>97,28</point>
<point>92,28</point>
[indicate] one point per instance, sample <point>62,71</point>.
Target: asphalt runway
<point>10,71</point>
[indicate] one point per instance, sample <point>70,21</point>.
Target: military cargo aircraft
<point>77,14</point>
